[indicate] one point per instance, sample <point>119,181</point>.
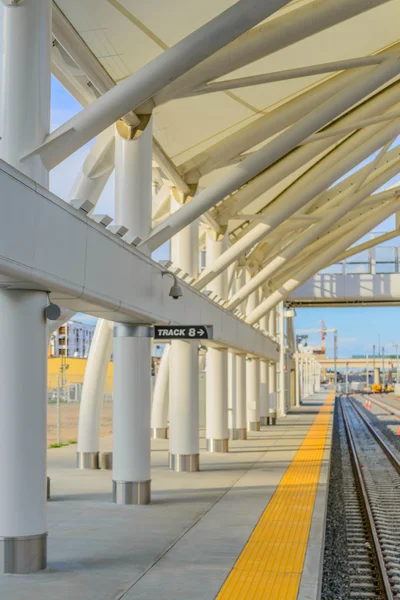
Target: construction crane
<point>323,331</point>
<point>323,336</point>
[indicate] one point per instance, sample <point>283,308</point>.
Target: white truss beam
<point>375,217</point>
<point>170,170</point>
<point>350,153</point>
<point>153,77</point>
<point>301,156</point>
<point>346,223</point>
<point>341,65</point>
<point>96,169</point>
<point>380,239</point>
<point>278,147</point>
<point>310,235</point>
<point>391,116</point>
<point>268,38</point>
<point>275,121</point>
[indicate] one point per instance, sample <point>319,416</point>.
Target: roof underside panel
<point>126,35</point>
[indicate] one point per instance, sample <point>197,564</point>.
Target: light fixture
<point>175,292</point>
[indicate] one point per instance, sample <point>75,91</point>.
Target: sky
<point>358,328</point>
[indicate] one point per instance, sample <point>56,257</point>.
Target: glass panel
<point>332,270</point>
<point>385,254</point>
<point>357,268</point>
<point>388,267</point>
<point>361,257</point>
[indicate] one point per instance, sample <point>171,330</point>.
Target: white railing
<point>378,260</point>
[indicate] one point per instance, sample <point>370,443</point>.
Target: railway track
<point>372,513</point>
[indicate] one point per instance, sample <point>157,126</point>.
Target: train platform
<point>249,525</point>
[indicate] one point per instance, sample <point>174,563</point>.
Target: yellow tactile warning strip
<point>271,563</point>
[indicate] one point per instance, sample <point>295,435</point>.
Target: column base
<point>159,433</point>
<point>217,445</point>
<point>131,492</point>
<point>87,460</point>
<point>253,426</point>
<point>188,463</point>
<point>264,421</point>
<point>23,554</point>
<point>238,434</point>
<point>106,461</point>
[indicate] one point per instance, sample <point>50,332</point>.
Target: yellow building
<point>74,373</point>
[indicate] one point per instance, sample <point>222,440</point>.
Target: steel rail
<point>363,495</point>
<point>389,453</point>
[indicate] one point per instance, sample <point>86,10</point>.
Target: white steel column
<point>132,343</point>
<point>159,409</point>
<point>184,362</point>
<point>264,394</point>
<point>237,430</point>
<point>297,379</point>
<point>25,88</point>
<point>272,375</point>
<point>282,363</point>
<point>131,414</point>
<point>25,120</point>
<point>184,406</point>
<point>253,393</point>
<point>217,363</point>
<point>93,395</point>
<point>253,378</point>
<point>23,377</point>
<point>272,387</point>
<point>217,400</point>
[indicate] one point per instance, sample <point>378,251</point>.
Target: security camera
<point>175,292</point>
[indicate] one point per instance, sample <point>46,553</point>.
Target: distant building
<point>72,339</point>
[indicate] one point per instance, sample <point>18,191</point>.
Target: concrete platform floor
<point>183,545</point>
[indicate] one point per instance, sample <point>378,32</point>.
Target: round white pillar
<point>25,87</point>
<point>272,387</point>
<point>217,400</point>
<point>23,433</point>
<point>184,362</point>
<point>93,395</point>
<point>264,393</point>
<point>252,374</point>
<point>25,122</point>
<point>184,403</point>
<point>159,409</point>
<point>217,362</point>
<point>253,394</point>
<point>282,363</point>
<point>133,177</point>
<point>239,429</point>
<point>236,397</point>
<point>264,370</point>
<point>297,380</point>
<point>132,343</point>
<point>131,416</point>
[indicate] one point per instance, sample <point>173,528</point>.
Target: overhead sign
<point>183,332</point>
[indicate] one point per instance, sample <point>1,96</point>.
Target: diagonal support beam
<point>309,236</point>
<point>153,77</point>
<point>274,35</point>
<point>391,116</point>
<point>300,157</point>
<point>375,217</point>
<point>385,237</point>
<point>273,151</point>
<point>331,67</point>
<point>347,156</point>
